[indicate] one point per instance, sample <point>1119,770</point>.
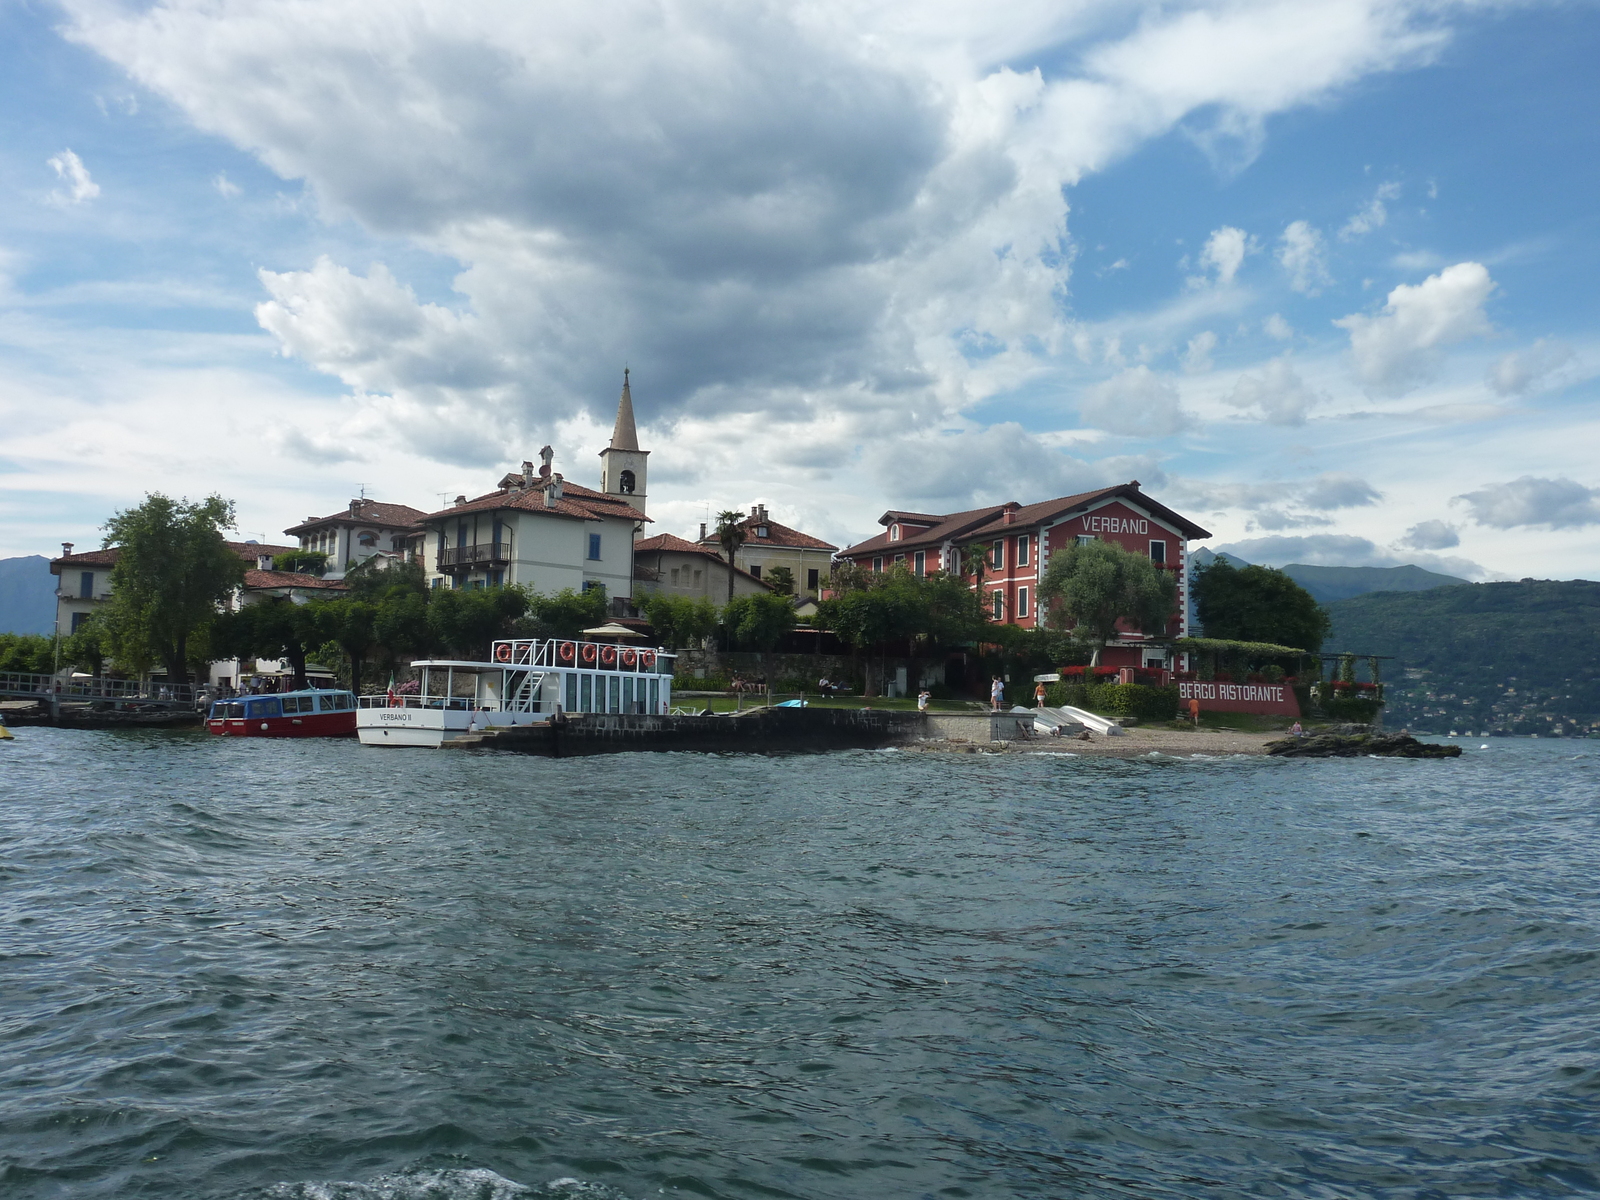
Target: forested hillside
<point>1486,657</point>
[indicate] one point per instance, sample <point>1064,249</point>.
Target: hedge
<point>1119,699</point>
<point>1350,708</point>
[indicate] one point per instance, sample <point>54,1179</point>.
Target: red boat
<point>311,713</point>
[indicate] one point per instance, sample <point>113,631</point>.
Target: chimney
<point>355,508</point>
<point>461,499</point>
<point>263,562</point>
<point>1133,483</point>
<point>545,456</point>
<point>66,547</point>
<point>702,534</point>
<point>552,491</point>
<point>527,473</point>
<point>1010,514</point>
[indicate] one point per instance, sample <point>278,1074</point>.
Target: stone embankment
<point>754,731</point>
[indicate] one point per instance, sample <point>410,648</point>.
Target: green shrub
<point>1134,700</point>
<point>1354,709</point>
<point>1064,695</point>
<point>700,683</point>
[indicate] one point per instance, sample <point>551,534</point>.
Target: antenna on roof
<point>443,497</point>
<point>363,491</point>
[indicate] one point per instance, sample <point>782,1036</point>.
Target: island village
<point>943,628</point>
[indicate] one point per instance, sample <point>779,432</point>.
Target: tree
<point>730,532</point>
<point>466,622</point>
<point>975,560</point>
<point>758,621</point>
<point>781,581</point>
<point>171,579</point>
<point>679,620</point>
<point>1258,604</point>
<point>352,625</point>
<point>1097,584</point>
<point>565,614</point>
<point>872,608</point>
<point>273,627</point>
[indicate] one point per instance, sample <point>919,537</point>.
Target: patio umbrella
<point>613,630</point>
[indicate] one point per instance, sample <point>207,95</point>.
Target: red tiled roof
<point>947,528</point>
<point>576,501</point>
<point>249,551</point>
<point>371,512</point>
<point>671,544</point>
<point>262,580</point>
<point>777,535</point>
<point>989,522</point>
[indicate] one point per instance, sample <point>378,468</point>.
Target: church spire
<point>624,436</point>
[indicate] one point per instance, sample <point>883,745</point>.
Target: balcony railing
<point>464,558</point>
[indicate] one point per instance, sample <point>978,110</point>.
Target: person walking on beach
<point>997,694</point>
<point>1038,695</point>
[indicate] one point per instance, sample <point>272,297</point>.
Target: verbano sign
<point>1268,698</point>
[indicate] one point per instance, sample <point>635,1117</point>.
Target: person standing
<point>997,694</point>
<point>1038,694</point>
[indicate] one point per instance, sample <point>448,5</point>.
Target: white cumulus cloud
<point>1531,501</point>
<point>1372,215</point>
<point>1197,357</point>
<point>1135,403</point>
<point>77,186</point>
<point>1524,370</point>
<point>1224,253</point>
<point>1430,535</point>
<point>1277,395</point>
<point>1399,348</point>
<point>1300,253</point>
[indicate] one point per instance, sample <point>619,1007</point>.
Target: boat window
<point>267,707</point>
<point>615,690</point>
<point>655,694</point>
<point>586,704</point>
<point>572,692</point>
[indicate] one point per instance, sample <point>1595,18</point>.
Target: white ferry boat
<point>527,683</point>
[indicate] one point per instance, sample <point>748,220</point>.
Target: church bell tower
<point>623,465</point>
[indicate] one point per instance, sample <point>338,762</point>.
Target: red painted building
<point>1021,538</point>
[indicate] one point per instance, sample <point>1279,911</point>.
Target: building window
<point>899,558</point>
<point>1022,549</point>
<point>755,569</point>
<point>86,585</point>
<point>77,621</point>
<point>497,578</point>
<point>697,576</point>
<point>1022,602</point>
<point>367,539</point>
<point>877,564</point>
<point>812,578</point>
<point>591,584</point>
<point>894,533</point>
<point>921,559</point>
<point>625,483</point>
<point>1085,538</point>
<point>1158,552</point>
<point>997,556</point>
<point>437,583</point>
<point>997,601</point>
<point>763,531</point>
<point>675,572</point>
<point>594,546</point>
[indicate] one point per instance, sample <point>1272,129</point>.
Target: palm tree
<point>730,532</point>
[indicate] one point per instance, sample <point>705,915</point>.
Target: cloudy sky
<point>1319,273</point>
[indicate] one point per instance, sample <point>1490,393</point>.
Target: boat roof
<point>462,664</point>
<point>280,695</point>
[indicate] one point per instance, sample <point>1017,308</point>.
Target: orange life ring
<point>629,657</point>
<point>608,656</point>
<point>647,658</point>
<point>588,652</point>
<point>566,651</point>
<point>502,652</point>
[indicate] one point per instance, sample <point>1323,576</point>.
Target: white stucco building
<point>538,530</point>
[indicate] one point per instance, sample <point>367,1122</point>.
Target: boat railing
<point>575,655</point>
<point>460,703</point>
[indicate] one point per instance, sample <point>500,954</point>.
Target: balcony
<point>470,558</point>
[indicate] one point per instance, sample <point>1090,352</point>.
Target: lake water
<point>257,969</point>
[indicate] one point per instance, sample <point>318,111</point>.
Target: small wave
<point>475,1183</point>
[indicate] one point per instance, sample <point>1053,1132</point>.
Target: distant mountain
<point>27,595</point>
<point>1328,584</point>
<point>1508,657</point>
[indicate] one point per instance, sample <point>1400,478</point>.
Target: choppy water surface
<point>236,968</point>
